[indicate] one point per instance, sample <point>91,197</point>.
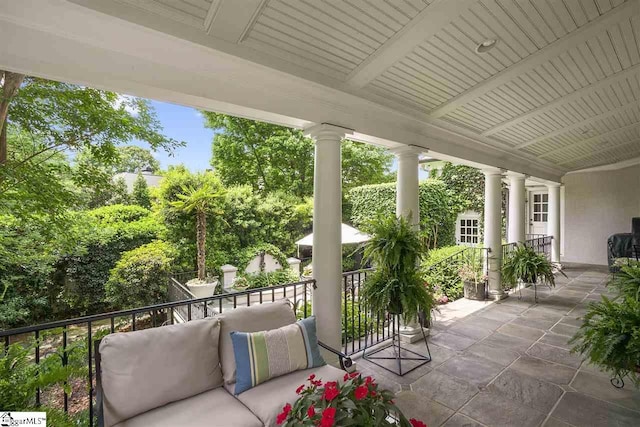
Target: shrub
<point>444,277</point>
<point>250,253</point>
<point>140,276</point>
<point>273,278</point>
<point>140,194</point>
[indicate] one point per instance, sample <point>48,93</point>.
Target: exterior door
<point>539,212</point>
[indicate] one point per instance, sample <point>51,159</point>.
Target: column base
<point>495,296</point>
<point>409,337</point>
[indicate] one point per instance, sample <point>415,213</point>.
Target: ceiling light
<point>486,46</point>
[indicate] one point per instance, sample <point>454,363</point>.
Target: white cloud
<point>128,102</point>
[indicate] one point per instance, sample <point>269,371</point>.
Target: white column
<point>408,206</point>
<point>492,229</point>
<point>407,184</point>
<point>553,221</point>
<point>516,231</point>
<point>327,217</point>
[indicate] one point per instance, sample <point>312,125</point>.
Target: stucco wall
<point>598,204</point>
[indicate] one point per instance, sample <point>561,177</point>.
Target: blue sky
<point>186,124</point>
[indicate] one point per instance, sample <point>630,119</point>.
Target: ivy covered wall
<point>438,209</point>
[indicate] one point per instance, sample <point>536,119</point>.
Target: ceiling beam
<point>581,124</point>
<point>232,20</point>
<point>603,150</point>
<point>423,26</point>
<point>552,50</point>
<point>589,140</point>
<point>573,96</point>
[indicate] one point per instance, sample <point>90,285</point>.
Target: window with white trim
<point>468,229</point>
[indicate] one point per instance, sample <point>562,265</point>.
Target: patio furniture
<point>185,374</point>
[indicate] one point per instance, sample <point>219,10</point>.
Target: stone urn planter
<point>202,290</point>
<point>475,290</point>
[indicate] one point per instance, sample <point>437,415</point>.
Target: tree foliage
<point>140,194</point>
<point>134,159</point>
<point>276,158</point>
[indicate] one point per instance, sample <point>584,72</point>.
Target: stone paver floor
<point>508,364</point>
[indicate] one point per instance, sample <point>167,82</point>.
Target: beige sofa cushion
<point>146,369</point>
<point>213,408</point>
<point>267,399</point>
<point>249,319</point>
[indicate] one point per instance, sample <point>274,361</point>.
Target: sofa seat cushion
<point>146,369</point>
<point>213,408</point>
<point>267,400</point>
<point>261,356</point>
<point>249,319</point>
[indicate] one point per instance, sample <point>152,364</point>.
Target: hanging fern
<point>525,264</point>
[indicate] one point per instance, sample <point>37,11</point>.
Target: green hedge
<point>437,210</point>
<point>110,232</point>
<point>273,278</point>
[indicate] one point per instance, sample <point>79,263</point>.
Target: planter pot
<point>395,307</point>
<point>203,290</point>
<point>475,291</point>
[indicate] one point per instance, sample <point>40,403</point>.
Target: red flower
<point>328,416</point>
<point>332,384</point>
<point>361,392</point>
<point>330,393</point>
<point>283,415</point>
<point>373,393</point>
<point>311,411</point>
<point>346,377</point>
<point>417,423</point>
<point>312,377</point>
<point>368,380</point>
<point>353,374</point>
<point>299,389</point>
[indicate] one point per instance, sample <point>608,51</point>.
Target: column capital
<point>407,151</point>
<point>516,175</point>
<point>327,130</point>
<point>553,184</point>
<point>491,171</point>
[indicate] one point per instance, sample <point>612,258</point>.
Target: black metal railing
<point>72,340</point>
<point>360,328</point>
<point>540,244</point>
<point>448,269</point>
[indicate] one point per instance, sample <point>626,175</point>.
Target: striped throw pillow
<point>261,356</point>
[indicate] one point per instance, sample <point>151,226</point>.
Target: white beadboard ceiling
<point>561,85</point>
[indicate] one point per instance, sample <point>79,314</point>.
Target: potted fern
<point>396,286</point>
<point>524,265</point>
<point>610,333</point>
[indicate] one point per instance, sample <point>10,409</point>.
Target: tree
<point>140,195</point>
<point>276,158</point>
<point>135,159</point>
<point>55,117</point>
<point>201,199</point>
<point>119,193</point>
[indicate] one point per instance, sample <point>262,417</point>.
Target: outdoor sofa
<point>185,374</point>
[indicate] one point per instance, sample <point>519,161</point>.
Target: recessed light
<point>486,46</point>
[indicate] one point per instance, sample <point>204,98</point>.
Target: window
<point>467,229</point>
<point>540,207</point>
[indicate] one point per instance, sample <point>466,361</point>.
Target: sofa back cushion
<point>261,356</point>
<point>256,318</point>
<point>146,369</point>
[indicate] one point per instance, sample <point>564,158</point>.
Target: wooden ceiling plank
<point>577,12</point>
<point>607,46</point>
<point>594,138</point>
<point>453,81</point>
<point>603,84</point>
<point>590,58</point>
<point>630,41</point>
<point>541,56</point>
<point>590,9</point>
<point>620,47</point>
<point>550,18</point>
<point>578,125</point>
<point>603,6</point>
<point>423,80</point>
<point>603,150</point>
<point>563,15</point>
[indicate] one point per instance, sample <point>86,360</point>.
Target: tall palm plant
<point>200,199</point>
